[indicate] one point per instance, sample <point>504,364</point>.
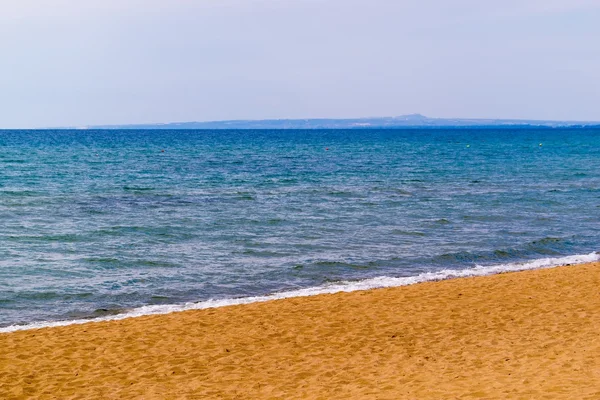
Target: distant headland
<point>403,121</point>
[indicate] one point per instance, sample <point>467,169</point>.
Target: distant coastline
<point>403,121</point>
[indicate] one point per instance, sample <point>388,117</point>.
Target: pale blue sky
<point>74,62</point>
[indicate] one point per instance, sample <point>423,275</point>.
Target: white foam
<point>372,283</point>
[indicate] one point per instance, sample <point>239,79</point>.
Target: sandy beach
<point>529,335</point>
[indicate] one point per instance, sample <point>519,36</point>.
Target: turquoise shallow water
<point>99,222</point>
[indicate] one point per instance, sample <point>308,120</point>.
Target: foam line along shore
<point>527,334</point>
<point>374,283</point>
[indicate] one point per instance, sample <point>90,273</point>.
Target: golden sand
<point>525,335</point>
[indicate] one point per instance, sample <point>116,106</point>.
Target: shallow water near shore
<point>97,223</point>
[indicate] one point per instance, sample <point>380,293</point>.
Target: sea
<point>109,224</point>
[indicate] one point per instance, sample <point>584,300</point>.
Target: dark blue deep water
<point>97,222</point>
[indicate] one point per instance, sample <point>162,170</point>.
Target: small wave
<point>485,218</point>
<point>260,253</point>
<point>337,264</point>
<point>340,193</point>
<point>137,188</point>
<point>547,246</point>
<point>19,193</point>
<point>101,312</point>
<point>408,233</point>
<point>546,240</point>
<point>14,161</point>
<point>333,287</point>
<point>393,191</point>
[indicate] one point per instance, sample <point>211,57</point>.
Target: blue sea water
<point>95,223</point>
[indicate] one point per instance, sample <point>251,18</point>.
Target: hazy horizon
<point>367,118</point>
<point>142,62</point>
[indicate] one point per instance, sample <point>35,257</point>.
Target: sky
<point>78,63</point>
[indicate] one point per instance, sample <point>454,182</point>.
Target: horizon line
<point>414,120</point>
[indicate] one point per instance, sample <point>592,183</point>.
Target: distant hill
<point>403,121</point>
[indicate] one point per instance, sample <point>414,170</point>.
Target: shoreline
<point>528,334</point>
<point>344,286</point>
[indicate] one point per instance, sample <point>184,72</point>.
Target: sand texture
<point>525,335</point>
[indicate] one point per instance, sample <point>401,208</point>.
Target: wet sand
<point>529,335</point>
